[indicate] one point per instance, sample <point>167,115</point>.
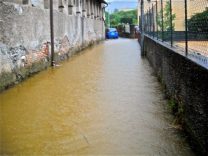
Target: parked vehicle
<point>112,33</point>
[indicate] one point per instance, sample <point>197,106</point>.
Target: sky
<point>121,4</point>
<point>114,4</point>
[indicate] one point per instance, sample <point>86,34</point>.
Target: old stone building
<point>25,33</point>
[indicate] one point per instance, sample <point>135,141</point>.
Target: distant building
<point>126,9</point>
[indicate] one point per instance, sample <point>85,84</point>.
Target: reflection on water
<point>103,101</point>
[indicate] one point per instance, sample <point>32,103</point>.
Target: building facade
<point>25,33</point>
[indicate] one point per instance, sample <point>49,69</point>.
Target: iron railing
<point>179,23</point>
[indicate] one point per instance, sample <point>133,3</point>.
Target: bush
<point>199,23</point>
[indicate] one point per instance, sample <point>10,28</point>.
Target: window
<point>46,4</point>
<point>70,7</point>
<point>60,6</point>
<point>25,1</point>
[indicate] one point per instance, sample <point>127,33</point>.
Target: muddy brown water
<point>104,101</point>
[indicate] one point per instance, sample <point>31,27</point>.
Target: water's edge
<point>18,75</point>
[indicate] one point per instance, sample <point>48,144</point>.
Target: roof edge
<point>103,1</point>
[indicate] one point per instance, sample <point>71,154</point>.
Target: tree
<point>107,21</point>
<point>197,24</point>
<point>126,20</point>
<point>120,17</point>
<point>166,18</point>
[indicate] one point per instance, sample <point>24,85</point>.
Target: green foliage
<point>127,20</point>
<point>119,17</point>
<point>177,107</point>
<point>166,18</point>
<point>199,22</point>
<point>173,105</point>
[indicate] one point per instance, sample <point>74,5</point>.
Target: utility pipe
<point>52,33</point>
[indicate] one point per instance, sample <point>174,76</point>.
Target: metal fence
<point>180,23</point>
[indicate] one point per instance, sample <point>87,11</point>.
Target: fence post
<point>186,29</point>
<point>144,18</point>
<point>153,17</point>
<point>162,20</point>
<point>150,22</point>
<point>142,28</point>
<point>146,22</point>
<point>171,24</point>
<point>157,18</point>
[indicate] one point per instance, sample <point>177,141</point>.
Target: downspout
<point>104,22</point>
<point>52,33</point>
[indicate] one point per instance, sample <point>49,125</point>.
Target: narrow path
<point>104,101</point>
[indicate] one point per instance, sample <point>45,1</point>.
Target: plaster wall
<point>25,39</point>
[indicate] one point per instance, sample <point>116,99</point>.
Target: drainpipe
<point>52,33</point>
<point>105,6</point>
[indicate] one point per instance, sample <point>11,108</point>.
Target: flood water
<point>103,101</point>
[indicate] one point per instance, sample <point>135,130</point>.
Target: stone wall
<point>25,39</point>
<point>185,83</point>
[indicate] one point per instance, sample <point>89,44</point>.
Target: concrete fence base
<point>186,84</point>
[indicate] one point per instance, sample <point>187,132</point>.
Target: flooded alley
<point>104,101</point>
